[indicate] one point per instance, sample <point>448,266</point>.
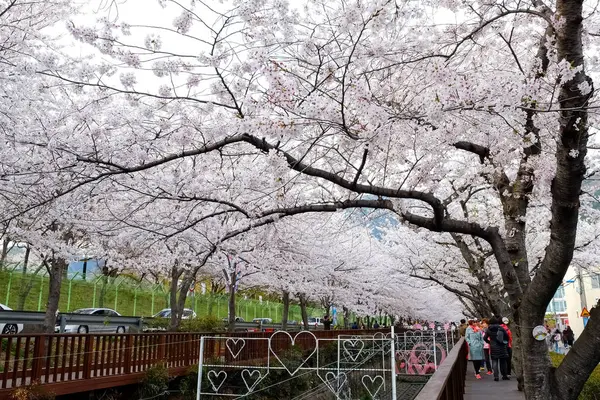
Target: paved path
<point>486,388</point>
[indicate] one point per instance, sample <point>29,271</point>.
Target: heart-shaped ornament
<point>333,381</point>
<point>353,348</point>
<point>235,346</point>
<point>293,341</point>
<point>216,379</point>
<point>373,385</point>
<point>251,379</point>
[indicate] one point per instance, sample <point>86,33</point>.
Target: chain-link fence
<point>128,296</point>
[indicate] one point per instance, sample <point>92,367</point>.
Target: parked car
<point>9,329</point>
<point>315,321</point>
<point>105,312</point>
<point>262,320</point>
<point>237,319</point>
<point>188,313</point>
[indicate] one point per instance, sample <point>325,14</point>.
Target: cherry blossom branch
<point>470,36</point>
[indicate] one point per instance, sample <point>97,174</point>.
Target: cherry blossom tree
<point>386,105</point>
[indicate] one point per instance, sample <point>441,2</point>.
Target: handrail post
<point>200,365</point>
<point>393,363</point>
<point>128,353</point>
<point>162,353</point>
<point>87,356</point>
<point>39,349</point>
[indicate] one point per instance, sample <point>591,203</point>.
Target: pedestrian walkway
<point>486,388</point>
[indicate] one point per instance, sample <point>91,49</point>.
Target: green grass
<point>129,298</point>
<point>591,390</point>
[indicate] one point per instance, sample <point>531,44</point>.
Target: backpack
<point>557,337</point>
<point>500,337</point>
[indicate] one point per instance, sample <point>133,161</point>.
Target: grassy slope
<point>130,301</point>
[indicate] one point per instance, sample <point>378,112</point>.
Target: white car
<point>188,313</point>
<point>105,312</point>
<point>263,321</point>
<point>9,329</point>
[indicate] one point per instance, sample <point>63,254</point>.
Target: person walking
<point>327,322</point>
<point>509,348</point>
<point>569,337</point>
<point>462,327</point>
<point>556,339</point>
<point>475,342</point>
<point>486,347</point>
<point>497,337</point>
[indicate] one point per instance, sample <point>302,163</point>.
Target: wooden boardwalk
<point>486,388</point>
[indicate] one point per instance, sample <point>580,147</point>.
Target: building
<point>580,289</point>
<point>557,309</point>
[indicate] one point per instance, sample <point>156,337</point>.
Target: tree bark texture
<point>175,319</point>
<point>56,273</point>
<point>303,311</point>
<point>541,380</point>
<point>286,309</point>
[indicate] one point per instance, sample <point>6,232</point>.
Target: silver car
<point>104,312</point>
<point>166,313</point>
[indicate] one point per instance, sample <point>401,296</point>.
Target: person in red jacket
<point>510,339</point>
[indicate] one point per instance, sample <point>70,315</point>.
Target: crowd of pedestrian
<point>490,346</point>
<point>560,341</point>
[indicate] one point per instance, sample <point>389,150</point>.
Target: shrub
<point>591,390</point>
<point>31,392</point>
<point>189,383</point>
<point>155,382</point>
<point>208,323</point>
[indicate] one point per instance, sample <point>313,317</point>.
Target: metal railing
<point>448,382</point>
<point>64,319</point>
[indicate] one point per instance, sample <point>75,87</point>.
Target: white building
<point>580,289</point>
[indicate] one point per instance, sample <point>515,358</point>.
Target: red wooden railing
<point>63,361</point>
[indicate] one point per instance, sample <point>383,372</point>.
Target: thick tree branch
<point>362,165</point>
<point>482,151</point>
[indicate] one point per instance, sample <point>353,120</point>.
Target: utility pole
<point>582,296</point>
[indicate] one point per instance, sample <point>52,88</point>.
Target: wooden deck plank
<point>487,389</point>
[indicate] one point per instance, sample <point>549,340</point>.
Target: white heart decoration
<point>354,344</point>
<point>341,378</point>
<point>215,379</point>
<point>293,340</point>
<point>380,341</point>
<point>235,342</point>
<point>247,377</point>
<point>369,385</point>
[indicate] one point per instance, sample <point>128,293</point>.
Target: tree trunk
<point>517,357</point>
<point>346,317</point>
<point>56,274</point>
<point>541,380</point>
<point>4,254</point>
<point>302,298</point>
<point>231,305</point>
<point>286,309</point>
<point>26,284</point>
<point>176,313</point>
